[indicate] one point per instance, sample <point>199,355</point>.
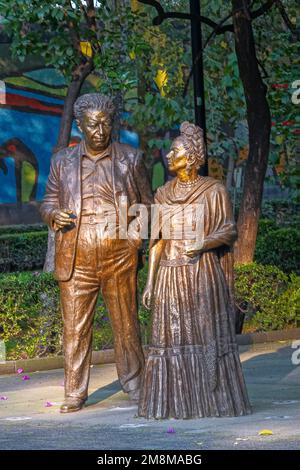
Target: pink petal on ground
<point>48,404</point>
<point>25,377</point>
<point>171,431</point>
<point>19,371</point>
<point>3,398</point>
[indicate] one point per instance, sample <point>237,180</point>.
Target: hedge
<point>22,228</point>
<point>284,212</point>
<point>268,297</point>
<point>278,246</point>
<point>22,251</point>
<point>31,325</point>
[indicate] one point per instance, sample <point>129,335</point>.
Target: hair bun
<point>193,142</point>
<point>190,129</point>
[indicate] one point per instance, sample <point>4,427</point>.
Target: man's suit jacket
<point>63,191</point>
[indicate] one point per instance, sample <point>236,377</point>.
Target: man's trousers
<point>109,266</point>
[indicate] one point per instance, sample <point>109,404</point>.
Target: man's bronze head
<point>94,115</point>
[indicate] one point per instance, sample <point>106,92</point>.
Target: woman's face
<point>177,158</point>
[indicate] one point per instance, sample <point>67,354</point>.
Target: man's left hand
<point>193,249</point>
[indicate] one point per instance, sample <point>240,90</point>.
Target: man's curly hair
<point>94,101</point>
<point>193,141</point>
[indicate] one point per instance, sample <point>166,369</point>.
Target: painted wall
<point>29,129</point>
<point>31,103</point>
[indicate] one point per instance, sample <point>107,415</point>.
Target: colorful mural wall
<point>31,103</point>
<point>30,109</point>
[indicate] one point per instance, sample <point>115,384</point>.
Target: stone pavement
<point>109,420</point>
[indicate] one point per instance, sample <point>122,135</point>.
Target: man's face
<point>96,127</point>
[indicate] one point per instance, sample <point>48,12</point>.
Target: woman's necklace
<point>188,184</point>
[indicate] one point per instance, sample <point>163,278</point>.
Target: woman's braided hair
<point>193,142</point>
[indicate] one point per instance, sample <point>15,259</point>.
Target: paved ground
<point>109,421</point>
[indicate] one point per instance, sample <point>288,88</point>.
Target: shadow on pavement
<point>103,393</point>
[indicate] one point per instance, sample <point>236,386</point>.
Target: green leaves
<point>267,296</point>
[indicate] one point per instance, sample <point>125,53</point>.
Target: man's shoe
<point>72,404</point>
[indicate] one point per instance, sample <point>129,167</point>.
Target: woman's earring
<point>189,166</point>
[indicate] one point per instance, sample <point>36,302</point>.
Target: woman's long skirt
<point>193,368</point>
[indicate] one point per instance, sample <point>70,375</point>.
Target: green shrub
<point>22,228</point>
<point>268,297</point>
<point>102,333</point>
<point>285,212</point>
<point>265,226</point>
<point>22,251</point>
<point>30,318</point>
<point>278,246</point>
<point>284,311</point>
<point>31,325</point>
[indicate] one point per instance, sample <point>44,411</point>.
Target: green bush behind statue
<point>31,326</point>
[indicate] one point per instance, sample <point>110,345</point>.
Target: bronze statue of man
<point>84,180</point>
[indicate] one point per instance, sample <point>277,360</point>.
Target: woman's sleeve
<point>219,225</point>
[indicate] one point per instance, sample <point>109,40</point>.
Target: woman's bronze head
<point>188,149</point>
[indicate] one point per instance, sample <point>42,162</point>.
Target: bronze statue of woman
<point>193,368</point>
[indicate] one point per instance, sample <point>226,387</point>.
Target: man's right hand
<point>147,296</point>
<point>61,218</point>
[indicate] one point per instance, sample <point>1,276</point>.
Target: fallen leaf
<point>265,432</point>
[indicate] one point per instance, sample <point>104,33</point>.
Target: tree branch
<point>261,10</point>
<point>212,34</point>
<point>83,11</point>
<point>91,15</point>
<point>218,29</point>
<point>265,73</point>
<point>162,15</point>
<point>73,33</point>
<point>285,17</point>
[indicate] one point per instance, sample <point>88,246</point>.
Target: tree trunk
<point>79,75</point>
<point>259,125</point>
